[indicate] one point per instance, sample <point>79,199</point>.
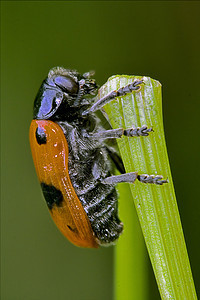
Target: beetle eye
<point>66,84</point>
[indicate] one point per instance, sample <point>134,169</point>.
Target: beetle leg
<point>134,86</point>
<point>119,132</point>
<point>108,134</point>
<point>115,179</point>
<point>131,177</point>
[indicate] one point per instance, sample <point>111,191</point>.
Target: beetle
<point>73,162</point>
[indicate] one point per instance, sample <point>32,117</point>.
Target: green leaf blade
<point>156,205</point>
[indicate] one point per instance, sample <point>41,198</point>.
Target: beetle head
<point>63,92</point>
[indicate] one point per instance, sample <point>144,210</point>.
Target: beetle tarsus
<point>138,131</point>
<point>155,179</point>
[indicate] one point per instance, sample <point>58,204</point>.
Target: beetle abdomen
<point>86,170</point>
<point>102,210</point>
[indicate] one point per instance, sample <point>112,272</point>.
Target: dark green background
<point>158,39</point>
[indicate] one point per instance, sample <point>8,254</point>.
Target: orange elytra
<point>51,163</point>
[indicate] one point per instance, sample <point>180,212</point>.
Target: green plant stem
<point>155,205</point>
<point>131,269</point>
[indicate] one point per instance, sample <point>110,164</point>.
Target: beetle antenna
<point>80,92</point>
<point>89,74</point>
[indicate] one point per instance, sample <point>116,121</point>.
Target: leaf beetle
<point>73,162</point>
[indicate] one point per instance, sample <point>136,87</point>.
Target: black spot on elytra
<point>72,229</point>
<point>52,195</point>
<point>40,136</point>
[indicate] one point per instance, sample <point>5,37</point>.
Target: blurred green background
<point>157,39</point>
